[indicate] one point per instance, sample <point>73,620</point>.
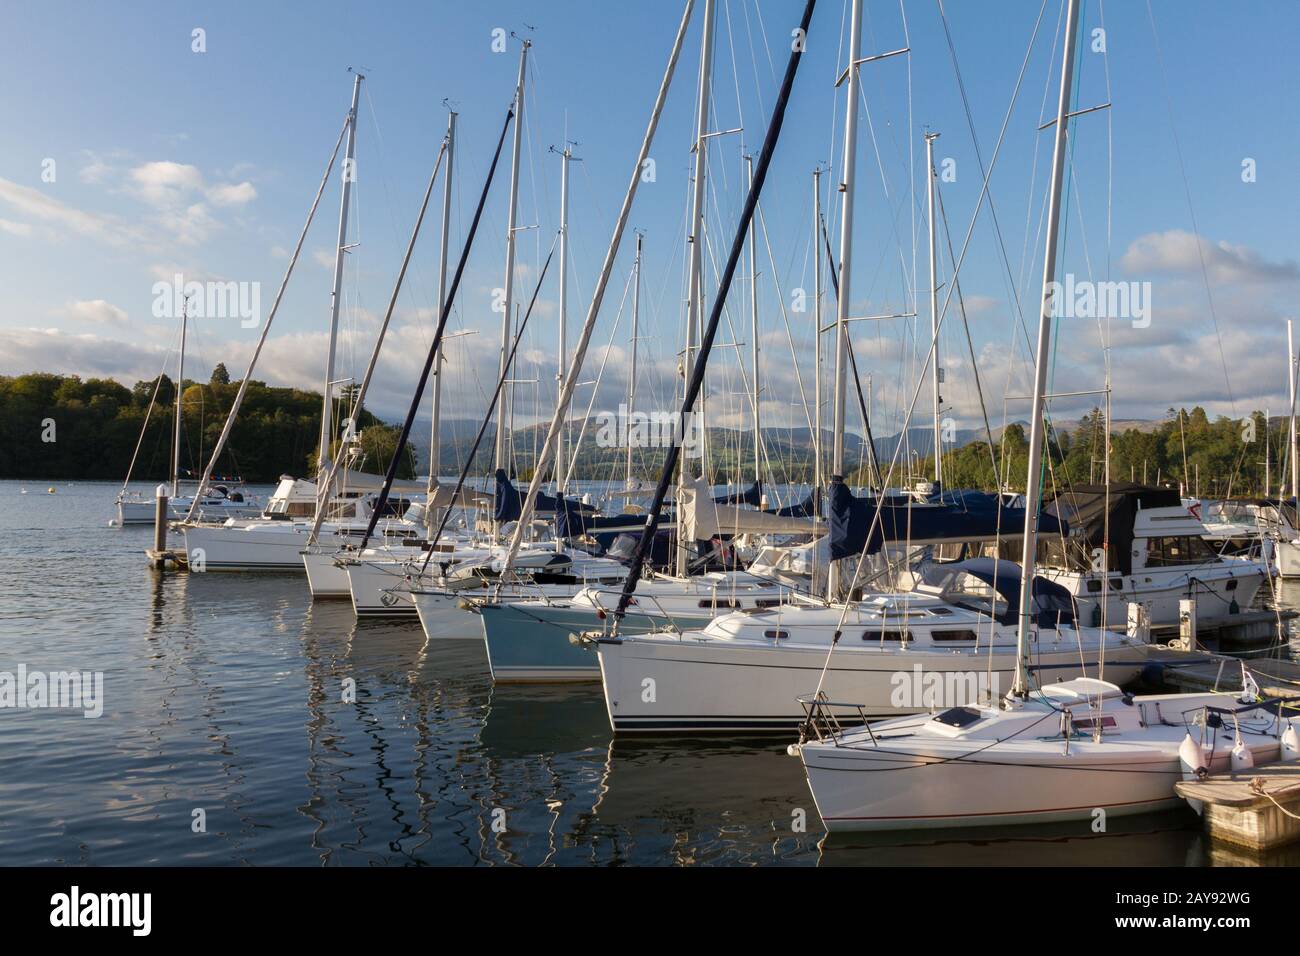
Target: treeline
<point>59,426</point>
<point>1213,459</point>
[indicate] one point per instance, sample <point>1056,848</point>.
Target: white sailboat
<point>1064,751</point>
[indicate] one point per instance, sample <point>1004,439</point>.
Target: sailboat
<point>342,499</point>
<point>1056,752</point>
<point>745,671</point>
<point>217,501</point>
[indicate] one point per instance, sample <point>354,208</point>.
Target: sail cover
<point>978,517</point>
<point>753,495</point>
<point>703,517</point>
<point>508,502</point>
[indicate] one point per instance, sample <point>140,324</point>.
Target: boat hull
<point>530,642</point>
<point>862,788</point>
<point>443,617</point>
<point>660,684</point>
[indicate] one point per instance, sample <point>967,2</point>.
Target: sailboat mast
<point>817,335</point>
<point>499,460</point>
<point>435,436</point>
<point>636,321</point>
<point>349,174</point>
<point>695,279</point>
<point>560,462</point>
<point>935,368</point>
<point>753,317</point>
<point>1291,368</point>
<point>1033,490</point>
<point>846,259</point>
<point>180,388</point>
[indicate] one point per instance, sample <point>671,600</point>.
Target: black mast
<point>437,341</point>
<point>715,314</point>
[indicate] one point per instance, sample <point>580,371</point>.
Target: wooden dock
<point>1258,808</point>
<point>1276,677</point>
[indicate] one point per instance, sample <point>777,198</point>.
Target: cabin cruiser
<point>951,641</point>
<point>218,503</point>
<point>1159,556</point>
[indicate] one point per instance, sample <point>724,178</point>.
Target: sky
<point>135,152</point>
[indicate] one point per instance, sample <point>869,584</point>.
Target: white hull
<point>713,687</point>
<point>1287,557</point>
<point>443,618</point>
<point>1214,588</point>
<point>264,545</point>
<point>919,773</point>
<point>327,580</point>
<point>379,588</point>
<point>133,512</point>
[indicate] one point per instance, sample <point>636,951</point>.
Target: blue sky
<point>167,160</point>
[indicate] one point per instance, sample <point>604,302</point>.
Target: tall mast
<point>1291,377</point>
<point>1033,490</point>
<point>500,455</point>
<point>846,258</point>
<point>435,436</point>
<point>695,274</point>
<point>560,369</point>
<point>753,316</point>
<point>817,336</point>
<point>935,368</point>
<point>349,174</point>
<point>636,320</point>
<point>180,387</point>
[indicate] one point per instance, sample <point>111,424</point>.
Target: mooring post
<point>161,503</point>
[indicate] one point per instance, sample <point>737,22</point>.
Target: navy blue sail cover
<point>753,495</point>
<point>961,516</point>
<point>807,509</point>
<point>1053,604</point>
<point>508,501</point>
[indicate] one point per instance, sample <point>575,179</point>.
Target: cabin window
<point>1178,550</point>
<point>1094,586</point>
<point>776,634</point>
<point>952,635</point>
<point>889,634</point>
<point>710,603</point>
<point>767,602</point>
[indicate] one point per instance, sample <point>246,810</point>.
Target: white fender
<point>1192,758</point>
<point>1289,745</point>
<point>1242,758</point>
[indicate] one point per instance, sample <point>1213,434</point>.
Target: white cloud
<point>15,228</point>
<point>95,310</point>
<point>232,194</point>
<point>1178,252</point>
<point>165,183</point>
<point>57,215</point>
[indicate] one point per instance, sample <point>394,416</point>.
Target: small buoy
<point>1242,758</point>
<point>51,490</point>
<point>23,492</point>
<point>1289,745</point>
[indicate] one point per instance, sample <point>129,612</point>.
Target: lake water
<point>223,694</point>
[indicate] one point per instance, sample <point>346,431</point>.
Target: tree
<point>219,375</point>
